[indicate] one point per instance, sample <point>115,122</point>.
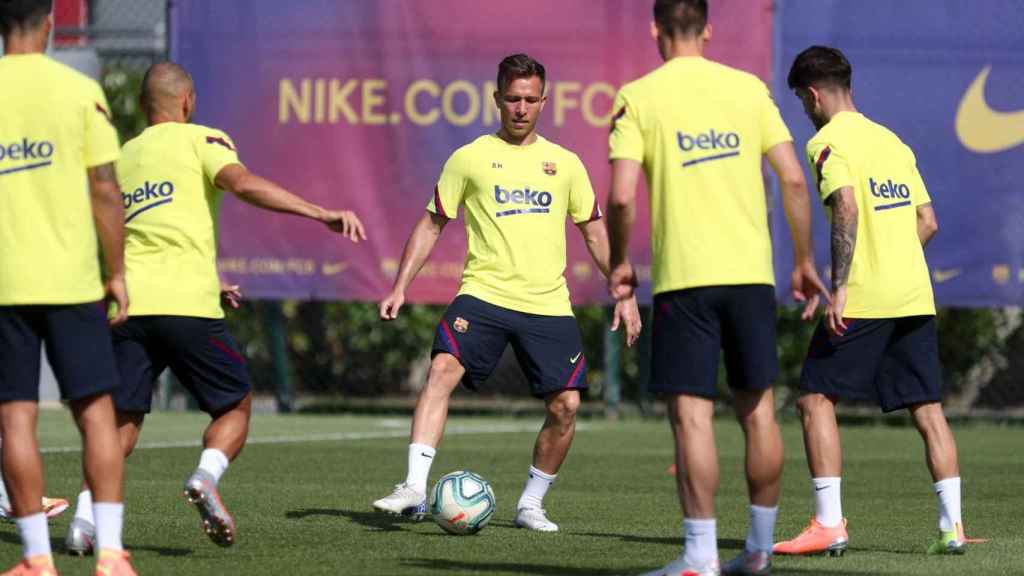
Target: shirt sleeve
<point>773,129</point>
<point>830,167</point>
<point>101,143</point>
<point>450,188</point>
<point>626,141</point>
<point>583,205</point>
<point>917,187</point>
<point>216,150</point>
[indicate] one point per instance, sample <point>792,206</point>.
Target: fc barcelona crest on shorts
<point>550,169</point>
<point>461,325</point>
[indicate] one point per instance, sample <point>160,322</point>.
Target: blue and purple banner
<point>948,78</point>
<point>358,105</point>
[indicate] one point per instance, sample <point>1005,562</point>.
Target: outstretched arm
<point>626,311</point>
<point>621,215</point>
<point>927,225</point>
<point>796,202</point>
<point>844,241</point>
<point>417,249</point>
<point>108,215</point>
<point>261,192</point>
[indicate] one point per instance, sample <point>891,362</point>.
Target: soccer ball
<point>462,503</point>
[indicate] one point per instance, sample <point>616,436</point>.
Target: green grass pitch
<point>301,494</point>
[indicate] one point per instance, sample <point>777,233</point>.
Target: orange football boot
<point>114,563</point>
<point>817,539</point>
<point>39,565</point>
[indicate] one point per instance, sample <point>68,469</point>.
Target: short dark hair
<point>681,18</point>
<point>820,66</point>
<point>519,66</point>
<point>23,14</point>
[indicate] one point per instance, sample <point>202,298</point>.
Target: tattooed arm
<point>108,215</point>
<point>844,239</point>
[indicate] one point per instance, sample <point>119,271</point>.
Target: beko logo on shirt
<point>38,153</point>
<point>889,190</point>
<point>161,192</point>
<point>537,200</point>
<point>723,144</point>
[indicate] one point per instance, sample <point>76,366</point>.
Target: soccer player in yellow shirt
<point>58,191</point>
<point>878,338</point>
<point>699,130</point>
<point>516,189</point>
<point>172,177</point>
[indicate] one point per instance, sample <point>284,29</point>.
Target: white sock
<point>214,462</point>
<point>948,491</point>
<point>762,528</point>
<point>35,535</point>
<point>537,484</point>
<point>83,508</point>
<point>700,541</point>
<point>109,519</point>
<point>828,506</point>
<point>421,457</point>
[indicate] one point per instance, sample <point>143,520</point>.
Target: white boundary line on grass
<point>457,430</point>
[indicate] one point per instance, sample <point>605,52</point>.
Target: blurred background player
<point>172,176</point>
<point>878,337</point>
<point>59,193</point>
<point>699,130</point>
<point>516,189</point>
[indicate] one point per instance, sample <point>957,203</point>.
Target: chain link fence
<point>116,40</point>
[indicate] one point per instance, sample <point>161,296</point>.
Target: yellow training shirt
<point>54,124</point>
<point>888,275</point>
<point>515,201</point>
<point>700,129</point>
<point>170,208</point>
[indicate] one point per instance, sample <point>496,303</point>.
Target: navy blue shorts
<point>77,340</point>
<point>693,326</point>
<point>549,348</point>
<point>891,361</point>
<point>199,351</point>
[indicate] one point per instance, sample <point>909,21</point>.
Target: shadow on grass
<point>779,571</point>
<point>443,565</point>
<point>377,521</point>
<point>723,543</point>
<point>57,545</point>
<point>515,568</point>
<point>161,550</point>
<point>883,550</point>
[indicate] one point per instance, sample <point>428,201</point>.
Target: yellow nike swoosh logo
<point>576,357</point>
<point>941,276</point>
<point>982,129</point>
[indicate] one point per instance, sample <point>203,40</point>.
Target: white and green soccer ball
<point>462,503</point>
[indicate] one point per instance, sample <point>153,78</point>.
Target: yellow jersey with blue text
<point>171,205</point>
<point>888,275</point>
<point>700,129</point>
<point>54,125</point>
<point>515,202</point>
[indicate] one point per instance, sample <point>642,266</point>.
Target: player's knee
<point>690,420</point>
<point>809,404</point>
<point>761,418</point>
<point>564,406</point>
<point>755,409</point>
<point>930,419</point>
<point>445,371</point>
